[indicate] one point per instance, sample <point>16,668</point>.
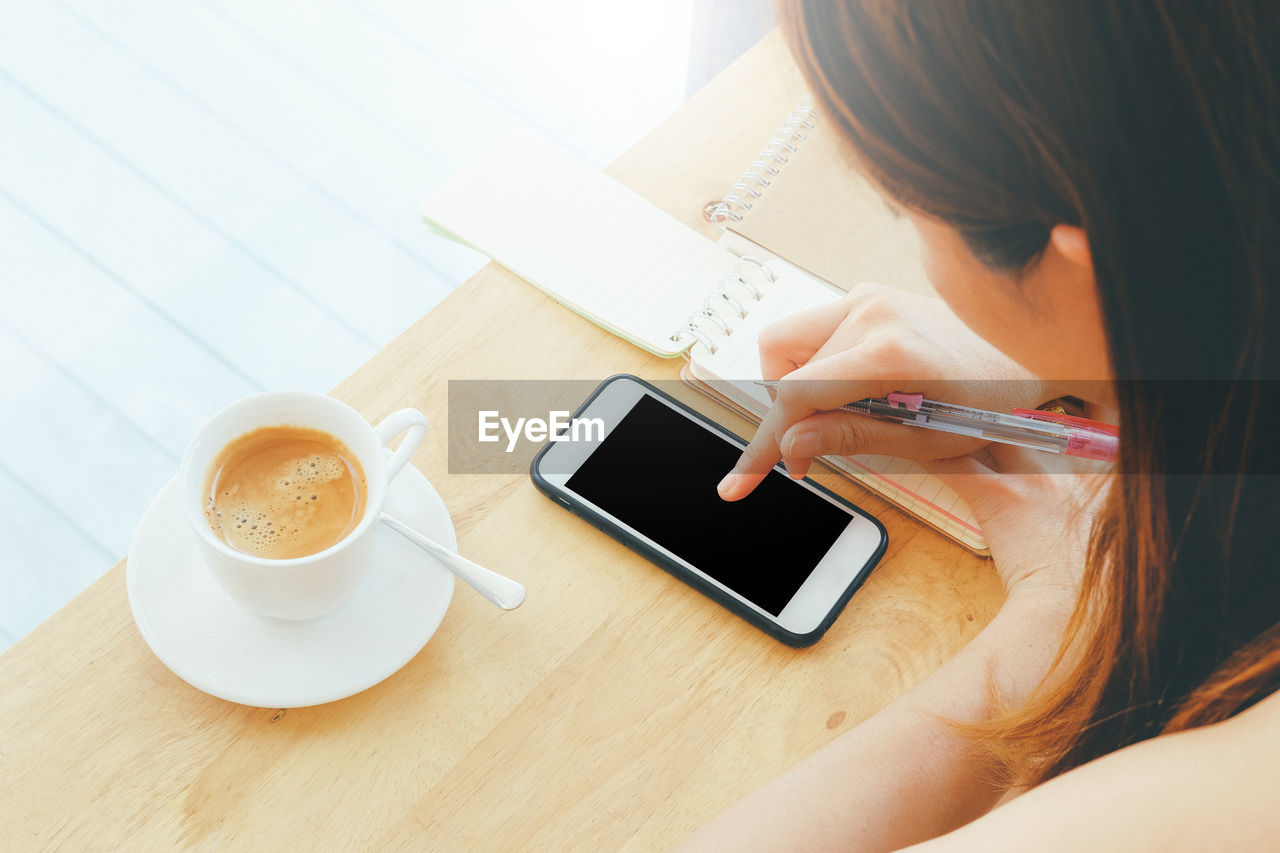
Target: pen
<point>1030,428</point>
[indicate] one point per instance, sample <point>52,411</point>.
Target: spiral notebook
<point>606,253</point>
<point>803,198</point>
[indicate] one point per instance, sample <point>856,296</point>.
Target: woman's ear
<point>1065,290</point>
<point>1070,242</point>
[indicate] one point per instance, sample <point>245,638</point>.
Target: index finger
<point>756,461</point>
<point>817,387</point>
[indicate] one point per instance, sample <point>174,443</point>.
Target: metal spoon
<point>502,591</point>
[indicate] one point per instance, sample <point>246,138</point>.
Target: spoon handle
<point>502,591</point>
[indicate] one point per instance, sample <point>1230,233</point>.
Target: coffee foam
<point>298,506</point>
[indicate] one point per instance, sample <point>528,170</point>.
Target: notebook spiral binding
<point>721,299</point>
<point>768,163</point>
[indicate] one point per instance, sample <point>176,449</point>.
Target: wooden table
<point>617,709</point>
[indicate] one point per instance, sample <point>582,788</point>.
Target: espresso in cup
<point>282,492</point>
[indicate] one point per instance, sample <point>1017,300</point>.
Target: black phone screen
<point>657,472</point>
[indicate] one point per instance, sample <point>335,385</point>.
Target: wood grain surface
<point>617,709</point>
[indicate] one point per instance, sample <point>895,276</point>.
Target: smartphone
<point>644,467</point>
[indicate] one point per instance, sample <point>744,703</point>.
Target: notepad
<point>608,254</point>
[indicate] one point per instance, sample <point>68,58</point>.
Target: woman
<point>1097,191</point>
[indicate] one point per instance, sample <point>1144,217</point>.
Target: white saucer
<point>215,645</point>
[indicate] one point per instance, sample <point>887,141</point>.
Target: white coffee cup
<point>310,586</point>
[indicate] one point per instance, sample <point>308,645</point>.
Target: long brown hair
<point>1154,126</point>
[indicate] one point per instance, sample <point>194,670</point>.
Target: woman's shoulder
<point>1211,787</point>
<point>1265,713</point>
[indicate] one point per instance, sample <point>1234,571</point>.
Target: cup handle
<point>394,424</point>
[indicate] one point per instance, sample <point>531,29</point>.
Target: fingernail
<point>725,488</point>
<point>806,445</point>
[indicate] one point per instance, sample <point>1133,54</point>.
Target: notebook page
<point>582,237</point>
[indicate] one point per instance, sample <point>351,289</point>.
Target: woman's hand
<point>875,341</point>
<point>1036,510</point>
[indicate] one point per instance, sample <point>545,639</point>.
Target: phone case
<point>640,546</point>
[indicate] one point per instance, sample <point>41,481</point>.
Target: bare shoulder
<point>1265,713</point>
<point>1208,788</point>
